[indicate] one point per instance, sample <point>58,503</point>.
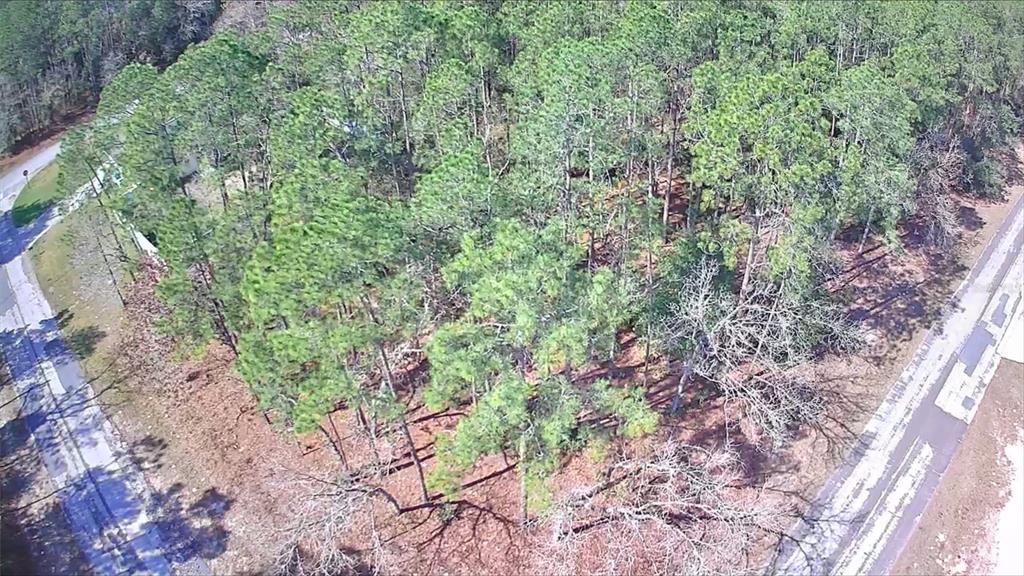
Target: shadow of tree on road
<point>14,240</point>
<point>25,215</point>
<point>50,421</point>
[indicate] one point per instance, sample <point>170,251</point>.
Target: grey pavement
<point>13,181</point>
<point>865,514</point>
<point>104,496</point>
<point>14,241</point>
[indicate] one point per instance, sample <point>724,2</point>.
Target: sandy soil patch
<point>962,528</point>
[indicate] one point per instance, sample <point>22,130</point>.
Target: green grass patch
<point>41,192</point>
<point>70,267</point>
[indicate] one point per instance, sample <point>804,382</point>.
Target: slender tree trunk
<point>590,159</point>
<point>681,385</point>
<point>867,228</point>
<point>405,430</point>
<point>631,129</point>
<point>650,267</point>
<point>110,269</point>
<point>371,436</point>
<point>405,117</point>
<point>238,150</point>
<point>749,266</point>
<point>122,254</point>
<point>224,195</point>
<point>771,315</point>
<point>567,192</point>
<point>524,505</point>
<point>671,166</point>
<point>487,121</point>
<point>389,380</point>
<point>341,450</point>
<point>335,444</point>
<point>220,319</point>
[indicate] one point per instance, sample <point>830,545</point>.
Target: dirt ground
<point>29,143</point>
<point>896,294</point>
<point>244,16</point>
<point>954,535</point>
<point>196,431</point>
<point>9,160</point>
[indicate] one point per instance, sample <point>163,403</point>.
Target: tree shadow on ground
<point>704,417</point>
<point>968,218</point>
<point>14,240</point>
<point>1013,167</point>
<point>83,341</point>
<point>148,453</point>
<point>24,215</point>
<point>174,526</point>
<point>895,301</point>
<point>59,421</point>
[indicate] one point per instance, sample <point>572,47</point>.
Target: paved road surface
<point>865,514</point>
<point>12,182</point>
<point>104,496</point>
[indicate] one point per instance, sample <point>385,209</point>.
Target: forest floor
<point>243,16</point>
<point>896,295</point>
<point>196,425</point>
<point>192,424</point>
<point>31,143</point>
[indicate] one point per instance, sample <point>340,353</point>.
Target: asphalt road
<point>103,495</point>
<point>866,512</point>
<point>13,181</point>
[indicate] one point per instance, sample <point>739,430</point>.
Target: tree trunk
<point>683,379</point>
<point>650,267</point>
<point>749,266</point>
<point>405,118</point>
<point>524,509</point>
<point>487,122</point>
<point>238,150</point>
<point>389,380</point>
<point>867,228</point>
<point>371,435</point>
<point>122,254</point>
<point>671,166</point>
<point>336,445</point>
<point>110,270</point>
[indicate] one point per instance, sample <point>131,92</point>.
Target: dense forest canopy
<point>470,204</point>
<point>56,55</point>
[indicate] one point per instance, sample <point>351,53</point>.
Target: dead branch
<point>325,511</point>
<point>666,510</point>
<point>752,347</point>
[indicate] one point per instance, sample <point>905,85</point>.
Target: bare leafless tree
<point>670,509</point>
<point>938,165</point>
<point>752,347</point>
<point>325,511</point>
